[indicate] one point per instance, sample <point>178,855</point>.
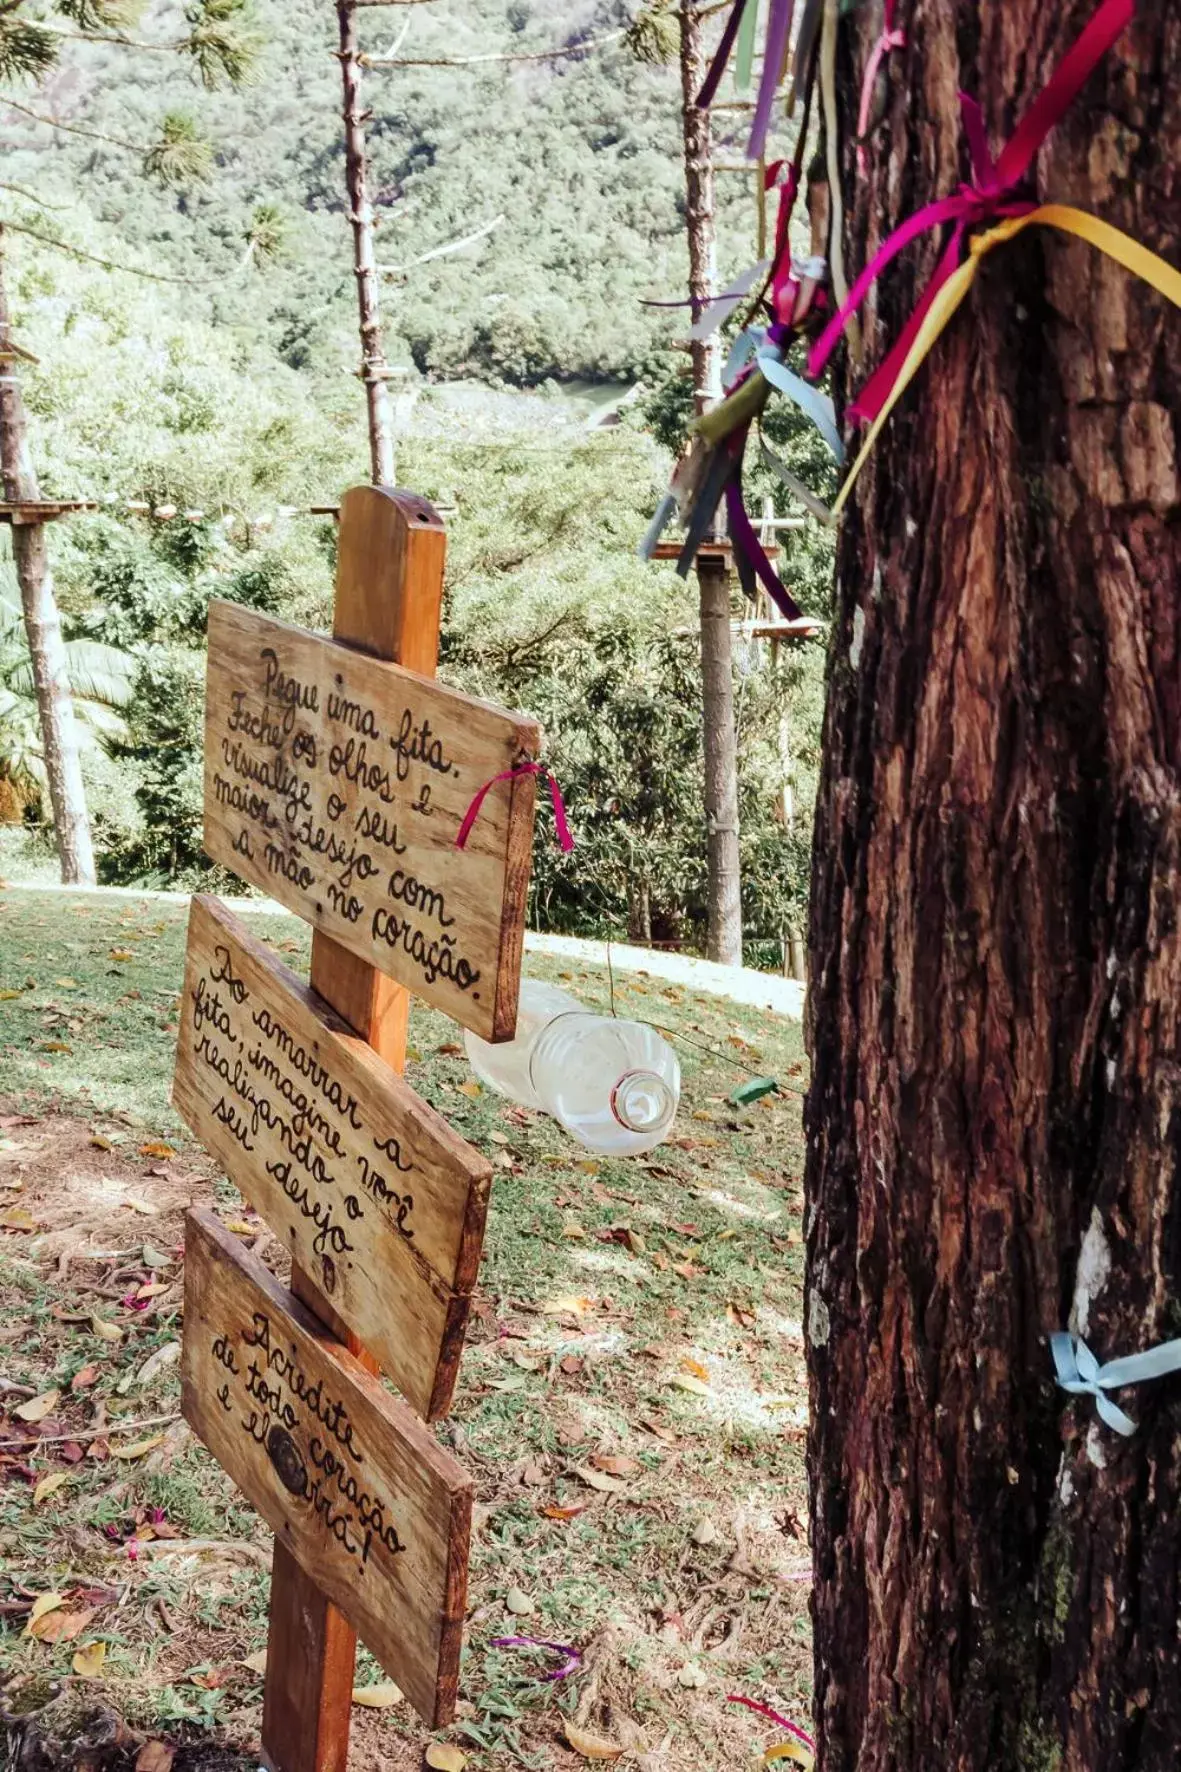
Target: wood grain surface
<point>370,1506</point>
<point>367,1186</point>
<point>337,782</point>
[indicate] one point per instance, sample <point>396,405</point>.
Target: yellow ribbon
<point>1121,247</point>
<point>789,1750</point>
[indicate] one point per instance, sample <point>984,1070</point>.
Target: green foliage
<point>100,15</point>
<point>26,51</point>
<point>164,746</point>
<point>181,155</point>
<point>223,41</point>
<point>654,35</point>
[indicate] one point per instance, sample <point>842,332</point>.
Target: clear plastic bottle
<point>614,1085</point>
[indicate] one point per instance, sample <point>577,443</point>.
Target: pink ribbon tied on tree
<point>561,825</point>
<point>889,40</point>
<point>987,197</point>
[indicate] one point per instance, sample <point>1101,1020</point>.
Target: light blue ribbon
<point>1080,1373</point>
<point>744,347</point>
<point>724,306</point>
<point>818,406</point>
<point>657,527</point>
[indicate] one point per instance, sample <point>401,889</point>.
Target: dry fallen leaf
<point>571,1304</point>
<point>155,1756</point>
<point>59,1626</point>
<point>442,1757</point>
<point>41,1605</point>
<point>591,1747</point>
<point>147,1211</point>
<point>17,1218</point>
<point>705,1532</point>
<point>378,1697</point>
<point>691,1676</point>
<point>471,1089</point>
<point>156,1148</point>
<point>695,1367</point>
<point>100,1143</point>
<point>56,1046</point>
<point>564,1513</point>
<point>106,1331</point>
<point>137,1447</point>
<point>257,1663</point>
<point>88,1662</point>
<point>122,954</point>
<point>519,1603</point>
<point>615,1464</point>
<point>49,1486</point>
<point>9,996</point>
<point>599,1479</point>
<point>685,1381</point>
<point>37,1408</point>
<point>84,1378</point>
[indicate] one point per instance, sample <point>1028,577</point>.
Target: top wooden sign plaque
<point>337,784</point>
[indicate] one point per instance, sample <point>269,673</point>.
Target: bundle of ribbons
<point>995,199</point>
<point>710,472</point>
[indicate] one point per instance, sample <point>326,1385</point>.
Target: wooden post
<point>374,368</point>
<point>389,591</point>
<point>724,936</point>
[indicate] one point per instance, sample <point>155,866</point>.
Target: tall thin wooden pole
<point>389,594</point>
<point>47,651</point>
<point>724,934</point>
<point>374,368</point>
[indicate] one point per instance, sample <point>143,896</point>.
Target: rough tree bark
<point>374,368</point>
<point>994,1122</point>
<point>724,934</point>
<point>51,678</point>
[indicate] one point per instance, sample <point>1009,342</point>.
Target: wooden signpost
<point>336,777</point>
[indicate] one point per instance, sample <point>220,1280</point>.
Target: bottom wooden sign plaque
<point>350,1480</point>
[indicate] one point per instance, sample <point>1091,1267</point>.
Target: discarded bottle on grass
<point>614,1085</point>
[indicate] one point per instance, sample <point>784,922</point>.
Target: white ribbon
<point>818,406</point>
<point>1080,1373</point>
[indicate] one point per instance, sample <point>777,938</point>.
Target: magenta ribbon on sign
<point>986,197</point>
<point>473,811</point>
<point>773,1716</point>
<point>889,40</point>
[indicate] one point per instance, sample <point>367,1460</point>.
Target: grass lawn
<point>632,1400</point>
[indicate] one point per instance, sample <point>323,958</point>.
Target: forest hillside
<point>222,386</point>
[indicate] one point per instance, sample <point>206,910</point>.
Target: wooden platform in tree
<point>716,552</point>
<point>44,510</point>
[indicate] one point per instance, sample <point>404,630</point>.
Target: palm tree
<point>101,680</point>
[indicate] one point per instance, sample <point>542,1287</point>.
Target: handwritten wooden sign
<point>337,783</point>
<point>373,1193</point>
<point>350,1480</point>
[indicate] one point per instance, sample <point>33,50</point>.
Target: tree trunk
<point>724,936</point>
<point>51,679</point>
<point>374,368</point>
<point>994,1121</point>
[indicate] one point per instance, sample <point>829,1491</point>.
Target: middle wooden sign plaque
<point>370,1189</point>
<point>337,783</point>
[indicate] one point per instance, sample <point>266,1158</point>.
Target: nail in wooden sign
<point>349,1479</point>
<point>337,783</point>
<point>375,1196</point>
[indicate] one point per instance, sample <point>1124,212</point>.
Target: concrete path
<point>762,990</point>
